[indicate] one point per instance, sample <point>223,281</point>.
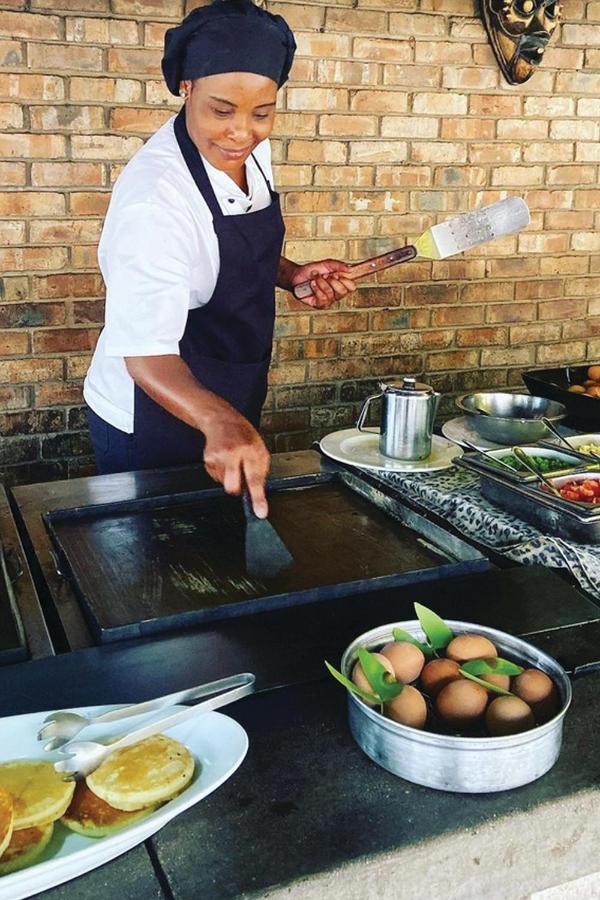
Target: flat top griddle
<point>13,647</point>
<point>160,563</point>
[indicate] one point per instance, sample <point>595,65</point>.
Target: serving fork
<point>60,727</point>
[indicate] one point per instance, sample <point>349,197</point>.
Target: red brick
<point>64,340</point>
<point>58,394</point>
<point>13,343</point>
<point>431,293</point>
<point>535,333</point>
<point>88,203</point>
<point>63,57</point>
<point>51,287</point>
<point>572,351</point>
<point>481,337</point>
<point>511,312</point>
<point>74,119</point>
<point>563,309</point>
<point>32,145</point>
<point>30,371</point>
<point>398,318</point>
<point>12,174</point>
<point>144,121</point>
<point>453,359</point>
<point>66,174</point>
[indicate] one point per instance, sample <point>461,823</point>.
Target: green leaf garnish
<point>378,677</point>
<point>401,635</point>
<point>364,695</point>
<point>486,684</point>
<point>437,632</point>
<point>491,666</point>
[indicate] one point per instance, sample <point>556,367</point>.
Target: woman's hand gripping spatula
<point>446,239</point>
<point>266,554</point>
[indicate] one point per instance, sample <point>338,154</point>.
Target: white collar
<point>225,185</point>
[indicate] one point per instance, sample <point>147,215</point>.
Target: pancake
<point>153,771</point>
<point>6,819</point>
<point>38,792</point>
<point>89,815</point>
<point>26,845</point>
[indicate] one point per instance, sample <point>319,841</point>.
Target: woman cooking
<point>191,254</point>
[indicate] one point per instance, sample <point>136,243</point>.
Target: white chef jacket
<point>159,257</point>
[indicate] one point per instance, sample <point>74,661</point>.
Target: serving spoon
<point>485,453</point>
<point>60,727</point>
<point>81,758</point>
<point>524,459</point>
<point>563,440</point>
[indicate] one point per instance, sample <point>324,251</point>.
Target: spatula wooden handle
<point>367,267</point>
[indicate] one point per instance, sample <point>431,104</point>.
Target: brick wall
<point>396,116</point>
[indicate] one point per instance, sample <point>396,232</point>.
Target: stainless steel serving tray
<point>580,521</point>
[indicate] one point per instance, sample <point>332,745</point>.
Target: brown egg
<point>437,674</point>
<point>406,659</point>
<point>360,679</point>
<point>508,715</point>
<point>461,702</point>
<point>539,691</point>
<point>470,646</point>
<point>594,372</point>
<point>501,681</point>
<point>577,389</point>
<point>409,708</point>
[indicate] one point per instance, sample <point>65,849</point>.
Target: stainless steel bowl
<point>511,418</point>
<point>471,765</point>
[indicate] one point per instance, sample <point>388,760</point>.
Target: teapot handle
<point>364,410</point>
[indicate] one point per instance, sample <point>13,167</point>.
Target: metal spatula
<point>446,239</point>
<point>266,554</point>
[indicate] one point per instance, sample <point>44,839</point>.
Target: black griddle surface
<point>12,641</point>
<point>146,567</point>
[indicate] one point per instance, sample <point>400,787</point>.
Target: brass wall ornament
<point>519,31</point>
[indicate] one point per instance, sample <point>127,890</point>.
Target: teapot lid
<point>408,387</point>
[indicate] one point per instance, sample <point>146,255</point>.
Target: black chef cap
<point>228,36</point>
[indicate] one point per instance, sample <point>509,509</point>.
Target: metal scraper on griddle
<point>446,239</point>
<point>266,554</point>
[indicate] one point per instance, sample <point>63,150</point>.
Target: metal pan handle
<point>364,410</point>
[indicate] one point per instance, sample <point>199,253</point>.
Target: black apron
<point>227,343</point>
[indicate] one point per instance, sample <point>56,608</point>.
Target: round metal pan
<point>447,762</point>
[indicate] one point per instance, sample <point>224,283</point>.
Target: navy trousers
<point>114,449</point>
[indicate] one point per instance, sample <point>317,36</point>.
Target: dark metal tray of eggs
<point>554,385</point>
<point>162,563</point>
<point>531,502</point>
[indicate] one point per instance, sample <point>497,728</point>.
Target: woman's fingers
<point>255,474</point>
<point>232,477</point>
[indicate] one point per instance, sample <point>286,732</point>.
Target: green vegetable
<point>493,666</point>
<point>541,463</point>
<point>364,695</point>
<point>384,686</point>
<point>486,684</point>
<point>437,632</point>
<point>401,635</point>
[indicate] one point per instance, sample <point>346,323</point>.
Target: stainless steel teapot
<point>407,416</point>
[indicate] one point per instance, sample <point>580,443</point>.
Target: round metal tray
<point>448,762</point>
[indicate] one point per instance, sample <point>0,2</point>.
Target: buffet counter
<point>308,814</point>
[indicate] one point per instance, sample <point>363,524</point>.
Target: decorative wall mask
<point>519,31</point>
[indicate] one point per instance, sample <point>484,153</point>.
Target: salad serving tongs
<point>60,727</point>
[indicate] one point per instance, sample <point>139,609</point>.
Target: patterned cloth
<point>455,494</point>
